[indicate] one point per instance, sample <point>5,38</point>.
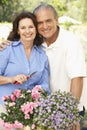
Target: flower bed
<point>58,111</point>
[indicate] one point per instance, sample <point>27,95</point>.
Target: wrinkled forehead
<point>45,13</point>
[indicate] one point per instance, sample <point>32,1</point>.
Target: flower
<point>59,111</point>
<point>35,108</point>
<point>20,108</point>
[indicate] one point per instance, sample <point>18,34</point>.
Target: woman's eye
<point>31,27</point>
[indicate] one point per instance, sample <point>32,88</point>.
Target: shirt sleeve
<point>44,81</point>
<point>4,58</point>
<point>75,62</point>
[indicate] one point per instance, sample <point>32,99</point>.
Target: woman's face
<point>26,30</point>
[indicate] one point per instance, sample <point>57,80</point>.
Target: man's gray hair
<point>45,6</point>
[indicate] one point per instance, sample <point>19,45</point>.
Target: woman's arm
<point>5,80</point>
<point>21,78</point>
<point>4,58</point>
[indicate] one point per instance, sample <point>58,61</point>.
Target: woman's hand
<point>4,44</point>
<point>19,79</point>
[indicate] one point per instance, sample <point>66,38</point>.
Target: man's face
<point>47,23</point>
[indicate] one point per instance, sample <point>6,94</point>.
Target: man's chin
<point>46,36</point>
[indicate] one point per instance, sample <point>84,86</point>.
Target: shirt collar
<point>38,48</point>
<point>16,43</point>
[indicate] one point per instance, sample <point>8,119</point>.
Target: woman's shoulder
<point>8,48</point>
<point>40,49</point>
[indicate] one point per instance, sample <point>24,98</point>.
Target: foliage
<point>8,9</point>
<point>57,112</point>
<point>84,11</point>
<point>60,6</point>
<point>67,25</point>
<point>84,121</point>
<point>20,107</point>
<point>85,116</point>
<point>35,108</point>
<point>75,8</point>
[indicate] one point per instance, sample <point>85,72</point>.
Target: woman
<point>23,57</point>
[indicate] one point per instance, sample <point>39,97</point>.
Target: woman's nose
<point>27,30</point>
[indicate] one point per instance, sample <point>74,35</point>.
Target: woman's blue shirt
<point>13,61</point>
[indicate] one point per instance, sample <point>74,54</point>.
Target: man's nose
<point>45,25</point>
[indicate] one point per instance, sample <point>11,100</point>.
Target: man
<point>65,53</point>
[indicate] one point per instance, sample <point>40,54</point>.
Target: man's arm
<point>77,86</point>
<point>76,90</point>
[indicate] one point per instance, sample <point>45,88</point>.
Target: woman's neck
<point>28,48</point>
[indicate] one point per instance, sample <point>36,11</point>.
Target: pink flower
<point>28,107</point>
<point>35,94</point>
<point>8,126</point>
<point>5,98</point>
<point>18,125</point>
<point>27,116</point>
<point>37,88</point>
<point>20,108</point>
<point>1,122</point>
<point>33,126</point>
<point>17,93</point>
<point>13,98</point>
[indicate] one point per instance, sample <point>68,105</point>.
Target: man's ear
<point>56,20</point>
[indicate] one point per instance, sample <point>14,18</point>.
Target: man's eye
<point>49,20</point>
<point>39,23</point>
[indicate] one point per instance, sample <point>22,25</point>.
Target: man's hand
<point>4,44</point>
<point>76,126</point>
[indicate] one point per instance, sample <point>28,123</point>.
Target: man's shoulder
<point>69,36</point>
<point>67,32</point>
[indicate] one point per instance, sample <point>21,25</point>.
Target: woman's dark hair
<point>14,36</point>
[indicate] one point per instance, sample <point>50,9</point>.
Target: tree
<point>84,11</point>
<point>9,8</point>
<point>74,8</point>
<point>77,9</point>
<point>60,6</point>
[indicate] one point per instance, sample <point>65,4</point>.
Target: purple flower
<point>57,111</point>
